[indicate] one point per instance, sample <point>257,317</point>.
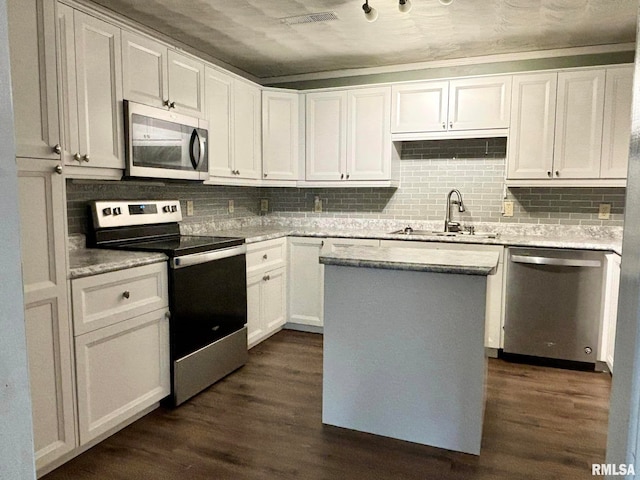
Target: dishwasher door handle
<point>562,262</point>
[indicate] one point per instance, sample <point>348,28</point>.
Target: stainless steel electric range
<point>207,288</point>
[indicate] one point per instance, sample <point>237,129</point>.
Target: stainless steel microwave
<point>164,144</point>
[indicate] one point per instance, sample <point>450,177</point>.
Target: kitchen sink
<point>409,231</point>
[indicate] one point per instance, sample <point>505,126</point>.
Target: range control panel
<point>118,213</point>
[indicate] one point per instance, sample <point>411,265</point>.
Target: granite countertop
<point>84,262</point>
<point>413,259</point>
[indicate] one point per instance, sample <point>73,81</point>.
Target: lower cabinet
<point>306,282</point>
<point>266,289</point>
<point>609,310</point>
<point>122,352</point>
<point>494,314</point>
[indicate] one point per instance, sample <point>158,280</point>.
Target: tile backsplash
<point>429,169</point>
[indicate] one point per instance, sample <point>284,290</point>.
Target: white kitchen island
<point>404,343</point>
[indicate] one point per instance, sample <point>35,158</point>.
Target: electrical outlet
<point>507,209</point>
<point>189,208</point>
<point>232,206</point>
<point>604,211</point>
<point>317,205</point>
<point>264,205</point>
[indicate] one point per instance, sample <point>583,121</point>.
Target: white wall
<point>16,440</point>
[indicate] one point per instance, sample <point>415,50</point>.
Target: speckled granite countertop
<point>84,262</point>
<point>413,259</point>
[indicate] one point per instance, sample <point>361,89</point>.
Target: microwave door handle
<point>195,140</point>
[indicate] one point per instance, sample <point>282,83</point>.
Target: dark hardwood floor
<point>264,422</point>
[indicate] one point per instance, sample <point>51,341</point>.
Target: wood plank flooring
<point>264,422</point>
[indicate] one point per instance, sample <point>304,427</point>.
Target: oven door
<point>208,298</point>
<point>164,144</point>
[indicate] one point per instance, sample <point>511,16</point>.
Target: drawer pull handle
<point>126,294</point>
<point>264,257</point>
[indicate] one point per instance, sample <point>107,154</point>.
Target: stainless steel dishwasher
<point>553,299</point>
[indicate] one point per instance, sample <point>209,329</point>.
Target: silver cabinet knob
<point>166,103</point>
<point>77,157</point>
<point>557,173</point>
<point>58,169</point>
<point>266,278</point>
<point>264,257</point>
<point>57,149</point>
<point>172,105</point>
<point>265,175</point>
<point>348,175</point>
<point>450,124</point>
<point>444,125</point>
<point>126,294</point>
<point>548,173</point>
<point>342,176</point>
<point>86,158</point>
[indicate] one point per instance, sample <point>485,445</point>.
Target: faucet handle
<point>471,229</point>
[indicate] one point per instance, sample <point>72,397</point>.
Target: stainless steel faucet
<point>450,226</point>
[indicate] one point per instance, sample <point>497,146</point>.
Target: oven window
<point>208,302</point>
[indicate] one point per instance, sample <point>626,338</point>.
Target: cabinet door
<point>617,122</point>
<point>479,103</point>
<point>579,118</point>
<point>33,77</point>
<point>306,281</point>
<point>247,130</point>
<point>218,95</point>
<point>420,107</point>
<point>609,310</point>
<point>531,135</point>
<point>99,83</point>
<point>326,149</point>
<point>144,70</point>
<point>121,370</point>
<point>279,135</point>
<point>255,325</point>
<point>274,300</point>
<point>48,329</point>
<point>186,84</point>
<point>369,135</point>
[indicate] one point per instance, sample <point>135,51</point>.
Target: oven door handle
<point>562,262</point>
<point>197,258</point>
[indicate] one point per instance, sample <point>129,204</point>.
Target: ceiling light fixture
<point>404,6</point>
<point>370,13</point>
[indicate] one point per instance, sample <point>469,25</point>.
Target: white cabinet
<point>121,344</point>
<point>331,244</point>
<point>266,289</point>
<point>617,122</point>
<point>494,309</point>
<point>348,136</point>
<point>48,329</point>
<point>561,132</point>
<point>606,345</point>
<point>155,75</point>
<point>91,79</point>
<point>34,82</point>
<point>306,281</point>
<point>233,110</point>
<point>280,125</point>
<point>442,106</point>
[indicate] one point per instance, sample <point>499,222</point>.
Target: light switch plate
<point>232,206</point>
<point>604,211</point>
<point>189,208</point>
<point>507,209</point>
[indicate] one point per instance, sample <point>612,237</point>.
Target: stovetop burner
<point>180,245</point>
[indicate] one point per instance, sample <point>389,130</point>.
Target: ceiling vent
<point>311,18</point>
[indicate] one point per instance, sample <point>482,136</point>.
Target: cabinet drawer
<point>267,255</point>
<point>109,298</point>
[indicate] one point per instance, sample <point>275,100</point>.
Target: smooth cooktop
<point>179,245</point>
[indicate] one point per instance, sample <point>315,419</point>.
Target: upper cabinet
<point>280,122</point>
<point>233,110</point>
<point>348,135</point>
<point>91,79</point>
<point>155,75</point>
<point>450,106</point>
<point>557,121</point>
<point>33,76</point>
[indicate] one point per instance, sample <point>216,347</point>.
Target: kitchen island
<point>403,343</point>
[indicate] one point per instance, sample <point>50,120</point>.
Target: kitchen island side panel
<point>404,355</point>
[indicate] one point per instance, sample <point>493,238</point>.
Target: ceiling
<point>249,34</point>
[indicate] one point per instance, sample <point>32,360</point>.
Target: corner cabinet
<point>280,143</point>
<point>348,136</point>
<point>233,110</point>
<point>32,42</point>
<point>91,83</point>
<point>450,106</point>
<point>48,326</point>
<point>561,132</point>
<point>306,282</point>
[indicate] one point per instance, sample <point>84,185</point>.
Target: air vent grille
<point>310,18</point>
